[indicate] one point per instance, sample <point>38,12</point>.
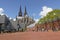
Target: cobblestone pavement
<point>31,36</point>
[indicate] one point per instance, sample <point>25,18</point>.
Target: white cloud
<point>10,18</point>
<point>44,11</point>
<point>36,20</point>
<point>1,10</point>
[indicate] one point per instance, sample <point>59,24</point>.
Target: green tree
<point>51,17</point>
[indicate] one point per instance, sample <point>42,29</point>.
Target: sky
<point>35,8</point>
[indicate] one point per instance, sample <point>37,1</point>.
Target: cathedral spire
<point>25,13</point>
<point>20,12</point>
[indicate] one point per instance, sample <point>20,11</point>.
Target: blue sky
<point>34,7</point>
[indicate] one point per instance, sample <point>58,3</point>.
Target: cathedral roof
<point>18,17</point>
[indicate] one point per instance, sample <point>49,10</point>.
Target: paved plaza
<point>31,36</point>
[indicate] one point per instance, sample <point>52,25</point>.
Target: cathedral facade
<point>20,23</point>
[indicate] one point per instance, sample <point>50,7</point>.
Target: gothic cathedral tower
<point>25,12</point>
<point>20,12</point>
<point>20,17</point>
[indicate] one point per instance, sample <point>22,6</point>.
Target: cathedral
<point>20,23</point>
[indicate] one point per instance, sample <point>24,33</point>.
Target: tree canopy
<point>51,16</point>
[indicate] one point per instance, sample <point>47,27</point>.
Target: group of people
<point>47,28</point>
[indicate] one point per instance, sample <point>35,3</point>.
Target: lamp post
<point>0,28</point>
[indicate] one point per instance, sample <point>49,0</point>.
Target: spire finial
<point>25,13</point>
<point>20,12</point>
